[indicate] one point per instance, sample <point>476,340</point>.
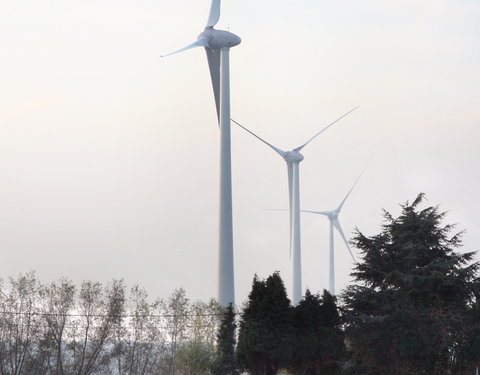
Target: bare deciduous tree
<point>58,303</point>
<point>176,321</point>
<point>141,344</point>
<point>61,329</point>
<point>19,324</point>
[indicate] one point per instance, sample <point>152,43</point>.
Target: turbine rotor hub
<point>293,157</point>
<point>218,39</point>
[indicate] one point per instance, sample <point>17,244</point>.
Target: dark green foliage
<point>411,311</point>
<point>225,363</point>
<point>319,339</point>
<point>266,338</point>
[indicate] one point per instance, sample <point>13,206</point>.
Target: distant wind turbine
<point>293,159</point>
<point>217,44</point>
<point>335,223</point>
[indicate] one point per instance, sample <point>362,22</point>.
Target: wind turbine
<point>217,44</point>
<point>335,223</point>
<point>293,159</point>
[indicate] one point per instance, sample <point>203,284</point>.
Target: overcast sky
<point>109,154</point>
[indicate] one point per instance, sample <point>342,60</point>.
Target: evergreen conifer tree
<point>266,338</point>
<point>225,363</point>
<point>411,309</point>
<point>319,345</point>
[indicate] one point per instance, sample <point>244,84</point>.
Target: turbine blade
<point>325,213</point>
<point>213,56</point>
<point>299,148</point>
<point>339,208</point>
<point>202,42</point>
<point>214,14</point>
<point>337,226</point>
<point>276,149</point>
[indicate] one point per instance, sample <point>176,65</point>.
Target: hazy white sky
<point>109,154</point>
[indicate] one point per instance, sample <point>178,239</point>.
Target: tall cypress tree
<point>225,363</point>
<point>411,309</point>
<point>266,337</point>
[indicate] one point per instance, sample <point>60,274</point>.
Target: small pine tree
<point>225,363</point>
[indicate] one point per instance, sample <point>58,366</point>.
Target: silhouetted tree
<point>411,310</point>
<point>319,345</point>
<point>266,338</point>
<point>225,363</point>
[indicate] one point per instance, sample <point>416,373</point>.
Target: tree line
<point>412,309</point>
<point>59,329</point>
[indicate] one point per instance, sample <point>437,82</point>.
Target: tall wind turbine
<point>335,223</point>
<point>293,159</point>
<point>217,44</point>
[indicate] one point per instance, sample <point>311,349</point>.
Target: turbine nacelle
<point>293,157</point>
<point>218,39</point>
<point>333,214</point>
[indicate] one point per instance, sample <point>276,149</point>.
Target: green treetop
<point>411,309</point>
<point>266,338</point>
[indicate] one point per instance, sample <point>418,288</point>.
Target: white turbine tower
<point>293,159</point>
<point>217,44</point>
<point>335,223</point>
